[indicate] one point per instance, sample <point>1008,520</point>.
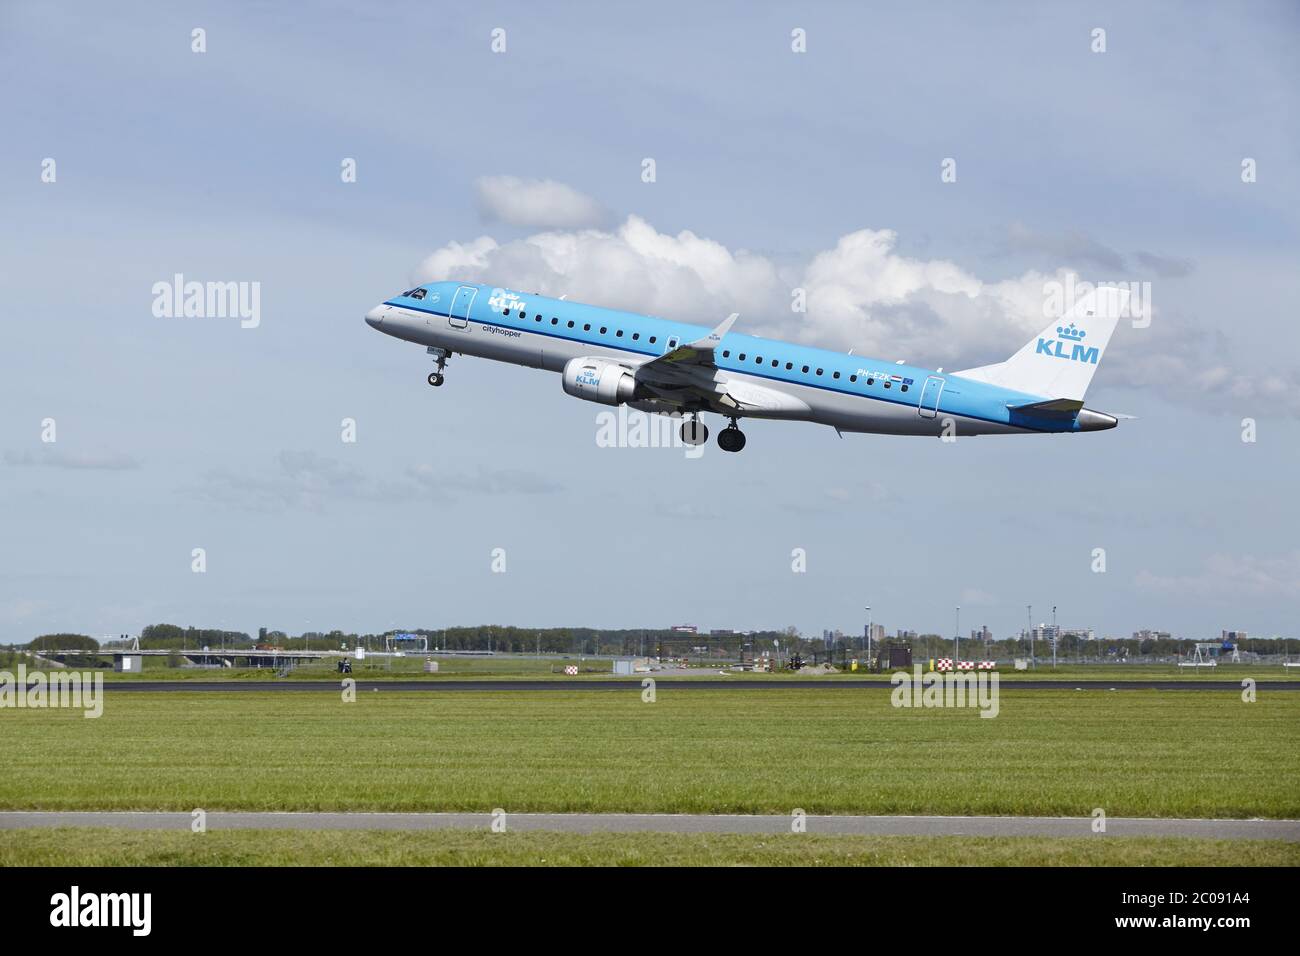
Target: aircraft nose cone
<point>375,317</point>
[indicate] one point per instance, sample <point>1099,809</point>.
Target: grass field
<point>96,847</point>
<point>1133,753</point>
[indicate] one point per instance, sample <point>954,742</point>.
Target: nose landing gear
<point>731,438</point>
<point>440,356</point>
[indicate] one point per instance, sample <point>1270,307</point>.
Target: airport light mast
<point>1029,620</point>
<point>956,647</point>
<point>868,632</point>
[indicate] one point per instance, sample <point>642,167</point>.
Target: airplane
<point>655,365</point>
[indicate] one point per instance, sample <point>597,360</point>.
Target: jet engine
<point>599,380</point>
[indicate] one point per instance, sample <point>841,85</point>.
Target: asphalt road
<point>1288,830</point>
<point>634,684</point>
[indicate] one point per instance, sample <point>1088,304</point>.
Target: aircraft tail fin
<point>1059,362</point>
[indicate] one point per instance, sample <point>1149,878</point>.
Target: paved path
<point>634,684</point>
<point>1288,830</point>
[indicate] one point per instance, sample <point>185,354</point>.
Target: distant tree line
<point>172,636</point>
<point>661,642</point>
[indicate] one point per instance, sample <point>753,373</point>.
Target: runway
<point>633,684</point>
<point>1287,830</point>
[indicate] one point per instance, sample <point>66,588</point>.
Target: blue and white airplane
<point>655,365</point>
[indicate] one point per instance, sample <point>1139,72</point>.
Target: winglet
<point>710,341</point>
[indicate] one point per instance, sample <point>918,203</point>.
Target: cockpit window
<point>417,293</point>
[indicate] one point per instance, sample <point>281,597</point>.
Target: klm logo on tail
<point>1057,348</point>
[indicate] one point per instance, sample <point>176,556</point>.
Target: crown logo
<point>1070,332</point>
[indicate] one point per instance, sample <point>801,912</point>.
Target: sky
<point>130,156</point>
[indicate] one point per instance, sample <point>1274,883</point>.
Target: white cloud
<point>304,479</point>
<point>861,294</point>
<point>51,457</point>
<point>1232,576</point>
<point>537,203</point>
<point>974,597</point>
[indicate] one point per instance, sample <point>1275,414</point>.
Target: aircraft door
<point>460,305</point>
<point>928,406</point>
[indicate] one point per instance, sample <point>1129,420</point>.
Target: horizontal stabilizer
<point>1053,408</point>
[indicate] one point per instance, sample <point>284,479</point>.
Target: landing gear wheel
<point>731,439</point>
<point>435,379</point>
<point>694,432</point>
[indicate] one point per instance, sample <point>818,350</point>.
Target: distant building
<point>1233,637</point>
<point>877,633</point>
<point>903,635</point>
<point>983,634</point>
<point>686,628</point>
<point>1147,635</point>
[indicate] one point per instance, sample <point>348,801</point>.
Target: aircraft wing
<point>698,353</point>
<point>687,377</point>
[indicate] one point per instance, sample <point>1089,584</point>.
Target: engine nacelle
<point>599,380</point>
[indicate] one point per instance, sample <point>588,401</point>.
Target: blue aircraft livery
<point>674,368</point>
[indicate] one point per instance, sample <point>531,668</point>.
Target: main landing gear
<point>731,438</point>
<point>694,431</point>
<point>440,356</point>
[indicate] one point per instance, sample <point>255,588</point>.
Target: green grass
<point>1133,753</point>
<point>115,847</point>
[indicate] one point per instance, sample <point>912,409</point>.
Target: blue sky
<point>176,433</point>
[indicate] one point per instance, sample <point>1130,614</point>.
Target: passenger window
<point>524,315</point>
<point>602,330</point>
<point>635,336</point>
<point>652,339</point>
<point>886,385</point>
<point>871,381</point>
<point>836,375</point>
<point>853,378</point>
<point>805,369</point>
<point>554,321</point>
<point>905,388</point>
<point>742,356</point>
<point>726,353</point>
<point>586,327</point>
<point>618,334</point>
<point>775,363</point>
<point>819,371</point>
<point>570,323</point>
<point>788,366</point>
<point>506,313</point>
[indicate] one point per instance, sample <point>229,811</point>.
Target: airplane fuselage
<point>774,379</point>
